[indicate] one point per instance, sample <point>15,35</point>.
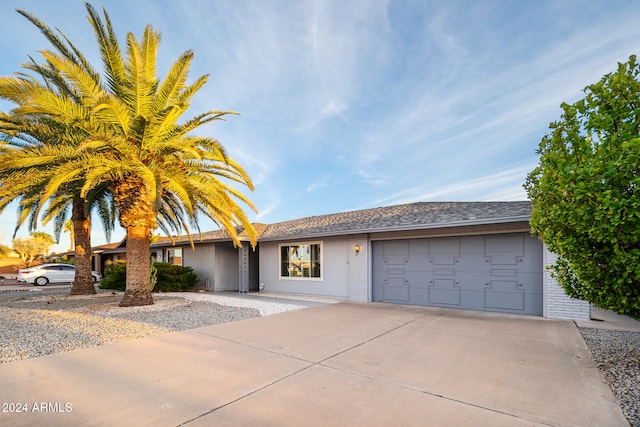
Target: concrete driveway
<point>339,364</point>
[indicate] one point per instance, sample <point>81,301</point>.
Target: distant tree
<point>5,250</point>
<point>34,248</point>
<point>68,228</point>
<point>586,193</point>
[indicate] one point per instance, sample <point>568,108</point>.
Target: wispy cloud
<point>322,182</point>
<point>370,102</point>
<point>501,185</point>
<point>502,113</point>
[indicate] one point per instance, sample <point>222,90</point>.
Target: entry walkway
<point>336,364</point>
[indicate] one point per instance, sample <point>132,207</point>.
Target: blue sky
<point>356,104</point>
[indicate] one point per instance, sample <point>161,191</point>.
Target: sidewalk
<point>605,319</point>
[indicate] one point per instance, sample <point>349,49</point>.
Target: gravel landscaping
<point>50,321</point>
<point>44,322</point>
<point>617,355</point>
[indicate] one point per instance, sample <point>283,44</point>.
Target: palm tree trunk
<point>138,289</point>
<point>137,215</point>
<point>83,281</point>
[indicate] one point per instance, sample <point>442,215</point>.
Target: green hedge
<point>170,278</point>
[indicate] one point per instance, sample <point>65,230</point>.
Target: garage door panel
<point>503,272</point>
<point>472,263</point>
<point>504,249</point>
<point>417,265</point>
<point>378,293</point>
<point>396,289</point>
<point>378,279</point>
<point>533,303</point>
<point>444,291</point>
<point>417,279</point>
<point>473,282</point>
<point>473,300</point>
<point>531,282</point>
<point>419,247</point>
<point>396,253</point>
<point>444,251</point>
<point>419,296</point>
<point>490,273</point>
<point>504,294</point>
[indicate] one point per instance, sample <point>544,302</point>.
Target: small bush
<point>169,277</point>
<point>115,276</point>
<point>174,278</point>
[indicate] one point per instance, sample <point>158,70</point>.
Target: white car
<point>42,274</point>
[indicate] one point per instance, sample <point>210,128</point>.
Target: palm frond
<point>174,83</point>
<point>109,49</point>
<point>74,76</point>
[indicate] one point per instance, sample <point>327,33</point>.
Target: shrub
<point>169,277</point>
<point>585,193</point>
<point>174,278</point>
<point>115,275</point>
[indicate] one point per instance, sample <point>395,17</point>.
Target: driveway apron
<point>338,364</point>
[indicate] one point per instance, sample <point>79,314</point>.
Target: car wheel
<point>94,279</point>
<point>41,281</point>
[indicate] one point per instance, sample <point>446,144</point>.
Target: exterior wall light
<point>356,248</point>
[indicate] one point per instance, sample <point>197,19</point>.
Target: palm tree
<point>24,176</point>
<point>135,142</point>
<point>68,228</point>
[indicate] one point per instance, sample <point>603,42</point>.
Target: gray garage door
<point>490,273</point>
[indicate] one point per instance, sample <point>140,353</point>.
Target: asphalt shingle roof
<point>400,217</point>
<point>413,216</point>
<point>208,236</point>
<point>204,237</point>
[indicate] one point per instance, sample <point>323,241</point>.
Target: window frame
<point>170,258</point>
<point>298,244</point>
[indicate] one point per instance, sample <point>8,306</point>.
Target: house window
<point>301,260</point>
<point>174,256</point>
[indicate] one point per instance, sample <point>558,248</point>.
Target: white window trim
<point>311,279</point>
<point>181,249</point>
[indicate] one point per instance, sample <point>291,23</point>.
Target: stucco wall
<point>335,270</point>
<point>227,274</point>
<point>202,260</point>
<point>216,264</point>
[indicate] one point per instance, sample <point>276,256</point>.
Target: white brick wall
<point>557,304</point>
<point>358,269</point>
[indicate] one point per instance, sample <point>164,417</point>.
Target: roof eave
<point>473,222</point>
<point>188,243</point>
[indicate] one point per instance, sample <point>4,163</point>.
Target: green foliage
<point>115,276</point>
<point>153,276</point>
<point>586,193</point>
<point>169,277</point>
<point>174,278</point>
